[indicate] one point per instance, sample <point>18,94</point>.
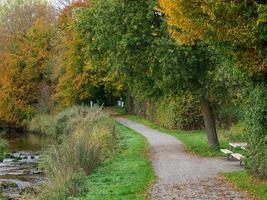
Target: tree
<point>66,4</point>
<point>72,85</point>
<point>237,30</point>
<point>190,69</point>
<point>129,36</point>
<point>79,80</point>
<point>25,57</point>
<point>120,34</point>
<point>186,32</point>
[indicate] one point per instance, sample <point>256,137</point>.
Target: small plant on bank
<point>3,147</point>
<point>42,124</point>
<point>84,139</point>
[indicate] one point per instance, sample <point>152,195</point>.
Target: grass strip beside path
<point>252,185</point>
<point>194,141</point>
<point>128,175</point>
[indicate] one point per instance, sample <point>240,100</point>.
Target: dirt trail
<point>181,175</point>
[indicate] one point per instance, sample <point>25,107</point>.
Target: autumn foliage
<point>24,55</point>
<point>237,31</point>
<point>237,26</point>
<point>79,79</point>
<point>54,56</point>
<point>43,65</point>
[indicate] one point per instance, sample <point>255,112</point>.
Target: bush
<point>179,112</point>
<point>172,112</point>
<point>228,115</point>
<point>77,117</point>
<point>87,138</point>
<point>256,121</point>
<point>237,133</point>
<point>43,124</point>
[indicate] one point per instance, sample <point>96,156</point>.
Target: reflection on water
<point>25,142</point>
<point>19,170</point>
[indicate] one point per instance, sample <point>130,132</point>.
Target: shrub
<point>256,121</point>
<point>237,133</point>
<point>172,112</point>
<point>88,138</point>
<point>227,115</point>
<point>179,112</point>
<point>77,117</point>
<point>73,187</point>
<point>43,124</point>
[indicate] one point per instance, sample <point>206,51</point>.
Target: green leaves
<point>256,121</point>
<point>120,35</point>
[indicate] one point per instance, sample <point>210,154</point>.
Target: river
<point>19,170</point>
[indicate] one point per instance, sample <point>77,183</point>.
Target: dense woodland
<point>185,64</point>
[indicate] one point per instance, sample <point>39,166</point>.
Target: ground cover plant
<point>256,187</point>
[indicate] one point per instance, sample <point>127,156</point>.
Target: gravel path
<point>181,175</point>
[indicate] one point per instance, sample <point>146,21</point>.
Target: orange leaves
<point>22,72</point>
<point>67,12</point>
<point>72,78</point>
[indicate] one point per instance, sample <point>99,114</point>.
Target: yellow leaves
<point>262,10</point>
<point>191,20</point>
<point>232,23</point>
<point>181,27</point>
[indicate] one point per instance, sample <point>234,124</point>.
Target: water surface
<point>19,170</point>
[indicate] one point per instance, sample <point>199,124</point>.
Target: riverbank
<point>127,176</point>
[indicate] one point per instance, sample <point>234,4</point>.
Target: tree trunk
<point>132,104</point>
<point>209,121</point>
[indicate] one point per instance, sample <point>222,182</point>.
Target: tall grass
<point>42,124</point>
<point>85,138</point>
<point>3,147</point>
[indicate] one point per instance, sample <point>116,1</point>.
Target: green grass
<point>252,185</point>
<point>194,141</point>
<point>127,176</point>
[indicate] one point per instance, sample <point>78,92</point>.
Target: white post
<point>91,104</point>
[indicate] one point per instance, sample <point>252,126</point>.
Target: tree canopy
<point>209,54</point>
<point>237,28</point>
